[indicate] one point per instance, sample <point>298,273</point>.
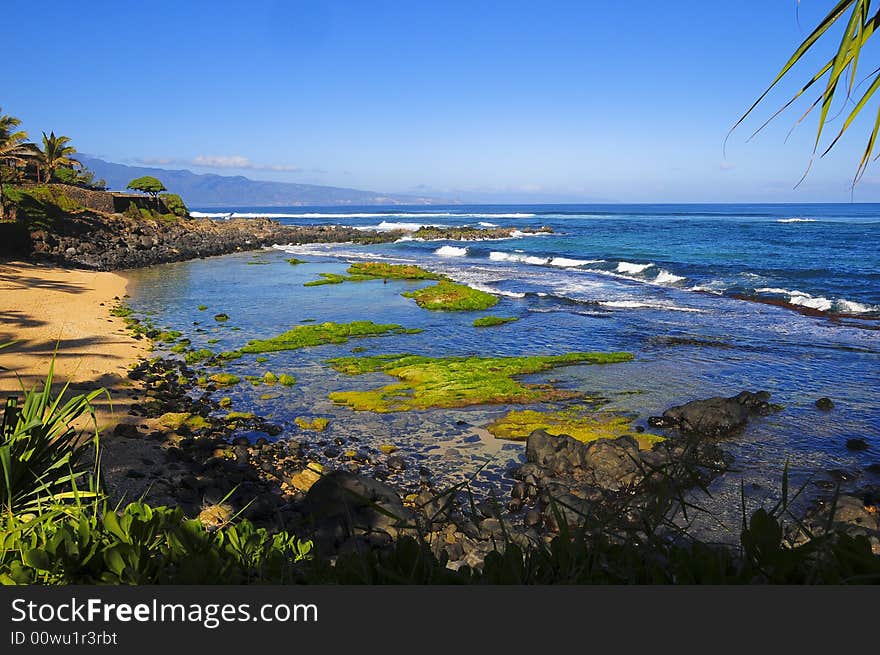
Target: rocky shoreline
<point>108,242</point>
<point>346,496</point>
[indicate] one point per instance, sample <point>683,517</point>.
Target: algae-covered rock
<point>225,379</point>
<point>286,379</point>
<point>303,336</point>
<point>240,416</point>
<point>221,317</point>
<point>426,382</point>
<point>449,296</point>
<point>318,424</point>
<point>582,425</point>
<point>179,420</point>
<point>491,321</point>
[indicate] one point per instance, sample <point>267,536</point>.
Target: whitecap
<point>497,256</point>
<point>565,262</point>
<point>629,267</point>
<point>665,277</point>
<point>796,220</point>
<point>638,304</point>
<point>451,251</point>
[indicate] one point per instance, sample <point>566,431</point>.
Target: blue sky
<point>485,101</point>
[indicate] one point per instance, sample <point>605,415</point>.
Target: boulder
<point>715,417</point>
<point>342,505</point>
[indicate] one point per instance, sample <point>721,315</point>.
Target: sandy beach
<point>46,307</point>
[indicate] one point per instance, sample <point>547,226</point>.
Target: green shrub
<point>175,204</point>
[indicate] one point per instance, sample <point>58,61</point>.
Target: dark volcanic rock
<point>715,417</point>
<point>342,505</point>
<point>825,404</point>
<point>117,241</point>
<point>856,444</point>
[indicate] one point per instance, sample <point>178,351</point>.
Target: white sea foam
<point>853,307</point>
<point>390,226</point>
<point>823,304</point>
<point>796,220</point>
<point>485,224</point>
<point>565,262</point>
<point>497,256</point>
<point>632,269</point>
<point>494,291</point>
<point>516,234</point>
<point>451,251</point>
<point>665,277</point>
<point>638,304</point>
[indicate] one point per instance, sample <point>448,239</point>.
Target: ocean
<point>711,299</point>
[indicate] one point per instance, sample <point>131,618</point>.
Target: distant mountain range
<point>210,190</point>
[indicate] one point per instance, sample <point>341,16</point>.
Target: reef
<point>303,336</point>
<point>491,321</point>
<point>427,382</point>
<point>576,422</point>
<point>451,297</point>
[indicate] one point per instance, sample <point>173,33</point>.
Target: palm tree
<point>56,153</point>
<point>13,147</point>
<point>859,22</point>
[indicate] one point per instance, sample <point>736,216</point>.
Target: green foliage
<point>175,204</point>
<point>147,184</point>
<point>56,153</point>
<point>859,24</point>
<point>427,382</point>
<point>449,296</point>
<point>303,336</point>
<point>41,206</point>
<point>143,545</point>
<point>40,453</point>
<point>81,177</point>
<point>491,321</point>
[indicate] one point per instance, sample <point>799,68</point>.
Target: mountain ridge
<point>212,190</point>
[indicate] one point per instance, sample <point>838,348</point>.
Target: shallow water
<point>687,344</point>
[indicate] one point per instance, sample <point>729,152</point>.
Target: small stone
<point>856,444</point>
<point>396,463</point>
<point>825,404</point>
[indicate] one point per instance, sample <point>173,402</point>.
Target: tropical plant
<point>840,76</point>
<point>13,147</point>
<point>56,153</point>
<point>41,451</point>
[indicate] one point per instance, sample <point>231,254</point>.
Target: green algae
<point>261,360</point>
<point>221,318</point>
<point>168,336</point>
<point>293,261</point>
<point>240,416</point>
<point>318,424</point>
<point>225,379</point>
<point>490,321</point>
<point>213,341</point>
<point>229,354</point>
<point>326,278</point>
<point>450,296</point>
<point>196,356</point>
<point>363,271</point>
<point>178,420</point>
<point>386,271</point>
<point>270,378</point>
<point>202,308</point>
<point>286,379</point>
<point>576,422</point>
<point>179,348</point>
<point>303,336</point>
<point>226,401</point>
<point>445,382</point>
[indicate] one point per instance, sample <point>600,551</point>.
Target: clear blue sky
<point>495,101</point>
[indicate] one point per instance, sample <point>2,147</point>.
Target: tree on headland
<point>13,148</point>
<point>860,25</point>
<point>148,184</point>
<point>56,153</point>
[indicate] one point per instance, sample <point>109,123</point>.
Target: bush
<point>175,204</point>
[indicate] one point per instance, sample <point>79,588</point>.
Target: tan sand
<point>45,306</point>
